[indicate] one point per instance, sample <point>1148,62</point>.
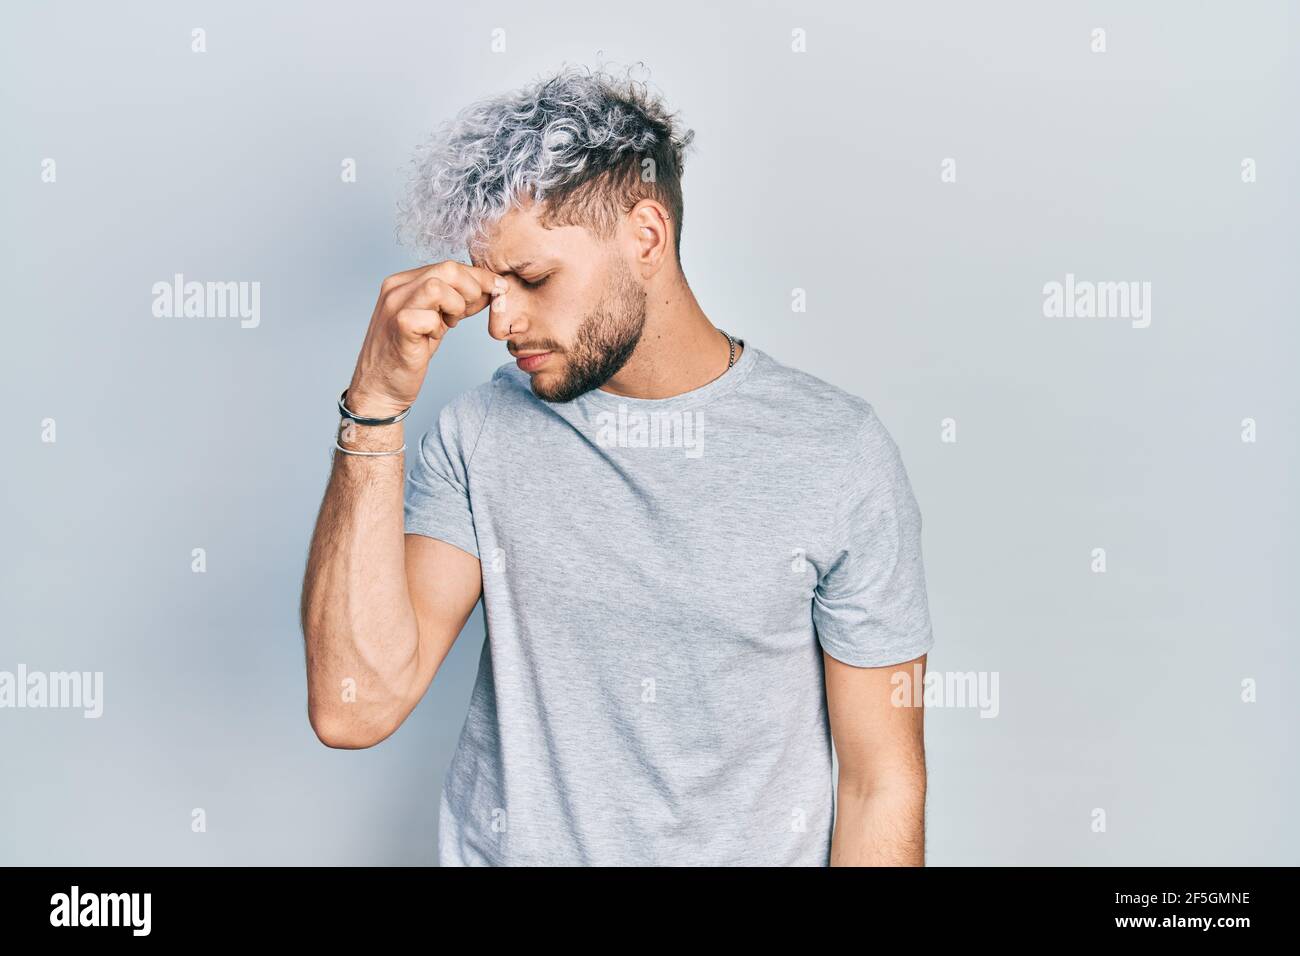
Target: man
<point>698,566</point>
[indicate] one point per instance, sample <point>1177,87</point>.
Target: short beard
<point>605,340</point>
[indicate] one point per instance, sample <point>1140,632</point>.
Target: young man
<point>698,566</point>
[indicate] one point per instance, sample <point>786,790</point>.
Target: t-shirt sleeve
<point>437,499</point>
<point>870,607</point>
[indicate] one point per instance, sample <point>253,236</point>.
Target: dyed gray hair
<point>586,145</point>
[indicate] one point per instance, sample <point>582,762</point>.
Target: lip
<point>531,363</point>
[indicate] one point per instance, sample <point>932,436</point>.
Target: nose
<point>504,319</point>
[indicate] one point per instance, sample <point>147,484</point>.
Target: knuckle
<point>449,298</point>
<point>456,274</point>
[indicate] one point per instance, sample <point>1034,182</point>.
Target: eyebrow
<point>512,270</point>
<point>519,267</point>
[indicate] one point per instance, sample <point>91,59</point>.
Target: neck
<point>680,349</point>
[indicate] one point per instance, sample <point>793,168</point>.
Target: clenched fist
<point>414,311</point>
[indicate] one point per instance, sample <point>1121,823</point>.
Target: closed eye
<point>534,285</point>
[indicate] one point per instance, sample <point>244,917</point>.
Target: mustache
<point>543,345</point>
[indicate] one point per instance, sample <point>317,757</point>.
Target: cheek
<point>556,311</point>
<point>557,322</point>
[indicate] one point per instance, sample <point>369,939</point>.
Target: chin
<point>545,385</point>
<point>553,386</point>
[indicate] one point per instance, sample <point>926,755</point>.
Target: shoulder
<point>840,431</point>
<point>455,430</point>
<point>464,418</point>
<point>467,410</point>
<point>472,406</point>
<point>836,416</point>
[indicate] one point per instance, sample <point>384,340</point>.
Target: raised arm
<point>380,608</point>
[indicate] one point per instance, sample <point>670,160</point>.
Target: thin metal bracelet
<point>369,454</point>
<point>343,409</point>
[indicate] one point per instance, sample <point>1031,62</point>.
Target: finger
<point>476,286</point>
<point>399,279</point>
<point>430,292</point>
<point>499,318</point>
<point>487,279</point>
<point>452,290</point>
<point>418,323</point>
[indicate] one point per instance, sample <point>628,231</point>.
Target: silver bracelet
<point>360,420</point>
<point>369,454</point>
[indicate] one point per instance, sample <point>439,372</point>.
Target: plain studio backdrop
<point>878,194</point>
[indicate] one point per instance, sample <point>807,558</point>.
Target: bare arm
<point>380,608</point>
<point>880,802</point>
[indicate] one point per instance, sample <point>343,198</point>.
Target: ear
<point>653,235</point>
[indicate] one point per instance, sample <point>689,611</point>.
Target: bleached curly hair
<point>586,145</point>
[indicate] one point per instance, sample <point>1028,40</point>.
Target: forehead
<point>518,238</point>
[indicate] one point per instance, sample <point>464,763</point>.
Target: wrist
<point>356,437</point>
<point>371,404</point>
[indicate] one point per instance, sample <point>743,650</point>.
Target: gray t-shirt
<point>660,577</point>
